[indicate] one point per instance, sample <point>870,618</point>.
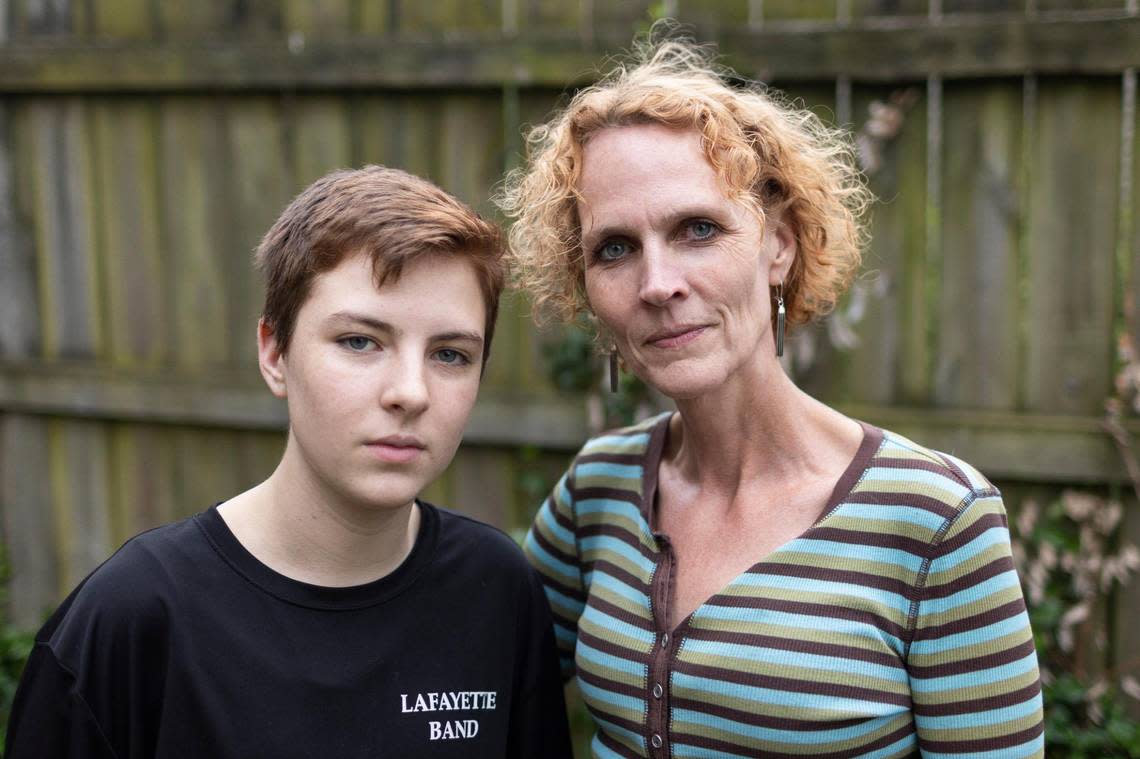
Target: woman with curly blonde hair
<point>755,574</point>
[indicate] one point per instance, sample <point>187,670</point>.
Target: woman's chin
<point>685,380</point>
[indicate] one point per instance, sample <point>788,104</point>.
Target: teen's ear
<point>270,359</point>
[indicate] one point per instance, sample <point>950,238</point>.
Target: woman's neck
<point>753,428</point>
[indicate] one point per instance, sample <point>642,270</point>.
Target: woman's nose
<point>663,277</point>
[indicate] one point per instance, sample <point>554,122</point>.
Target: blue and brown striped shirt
<point>893,627</point>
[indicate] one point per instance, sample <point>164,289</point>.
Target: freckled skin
<point>677,272</point>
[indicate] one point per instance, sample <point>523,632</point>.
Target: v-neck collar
<point>655,449</point>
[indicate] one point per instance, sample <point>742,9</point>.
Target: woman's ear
<point>270,359</point>
<point>780,239</point>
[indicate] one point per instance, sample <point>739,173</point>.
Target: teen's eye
<point>611,250</point>
<point>357,343</point>
<point>452,357</point>
<point>701,230</point>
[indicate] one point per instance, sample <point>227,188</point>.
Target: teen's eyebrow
<point>351,317</point>
<point>458,336</point>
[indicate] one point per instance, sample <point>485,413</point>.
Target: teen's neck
<point>307,536</point>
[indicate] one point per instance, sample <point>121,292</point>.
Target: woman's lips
<point>675,338</point>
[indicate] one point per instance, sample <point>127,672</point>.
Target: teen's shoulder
<point>485,539</point>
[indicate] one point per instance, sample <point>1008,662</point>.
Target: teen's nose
<point>405,387</point>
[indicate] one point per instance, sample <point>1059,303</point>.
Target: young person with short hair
<point>326,611</point>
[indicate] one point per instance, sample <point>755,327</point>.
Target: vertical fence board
<point>976,354</point>
<point>982,6</point>
<point>1071,227</point>
<point>1133,253</point>
<point>630,16</point>
<point>861,8</point>
<point>189,148</point>
<point>486,485</point>
<point>321,137</point>
<point>261,187</point>
<point>799,10</point>
<point>709,16</point>
<point>123,19</point>
<point>377,130</point>
<point>64,220</point>
<point>889,365</point>
<point>32,582</point>
<point>141,495</point>
<point>19,327</point>
<point>129,243</point>
<point>79,484</point>
<point>317,18</point>
<point>35,18</point>
<point>443,16</point>
<point>546,15</point>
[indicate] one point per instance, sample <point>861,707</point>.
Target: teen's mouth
<point>396,449</point>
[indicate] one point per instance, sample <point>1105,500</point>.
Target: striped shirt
<point>893,627</point>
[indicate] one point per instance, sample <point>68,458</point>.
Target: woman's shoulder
<point>917,477</point>
<point>631,441</point>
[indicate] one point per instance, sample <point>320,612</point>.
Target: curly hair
<point>768,154</point>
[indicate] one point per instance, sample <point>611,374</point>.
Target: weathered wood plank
<point>79,489</point>
<point>976,354</point>
<point>141,464</point>
<point>888,8</point>
<point>890,364</point>
<point>892,49</point>
<point>28,520</point>
<point>443,17</point>
<point>484,484</point>
<point>123,19</point>
<point>1071,227</point>
<point>63,224</point>
<point>545,15</point>
<point>321,140</point>
<point>260,187</point>
<point>190,148</point>
<point>309,19</point>
<point>127,182</point>
<point>798,10</point>
<point>19,325</point>
<point>982,6</point>
<point>710,16</point>
<point>1038,447</point>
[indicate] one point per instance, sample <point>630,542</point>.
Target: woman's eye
<point>451,357</point>
<point>702,230</point>
<point>612,250</point>
<point>357,343</point>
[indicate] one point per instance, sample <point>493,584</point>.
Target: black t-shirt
<point>183,644</point>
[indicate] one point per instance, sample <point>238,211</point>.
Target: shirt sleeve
<point>551,546</point>
<point>972,663</point>
<point>539,726</point>
<point>49,719</point>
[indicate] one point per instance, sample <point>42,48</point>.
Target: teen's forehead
<point>433,289</point>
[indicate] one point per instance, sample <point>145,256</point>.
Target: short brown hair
<point>771,155</point>
<point>391,215</point>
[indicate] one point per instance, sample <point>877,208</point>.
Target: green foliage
<point>1071,562</point>
<point>15,645</point>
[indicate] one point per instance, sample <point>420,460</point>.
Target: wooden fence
<point>145,146</point>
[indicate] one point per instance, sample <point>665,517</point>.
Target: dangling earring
<point>780,314</point>
<point>613,369</point>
